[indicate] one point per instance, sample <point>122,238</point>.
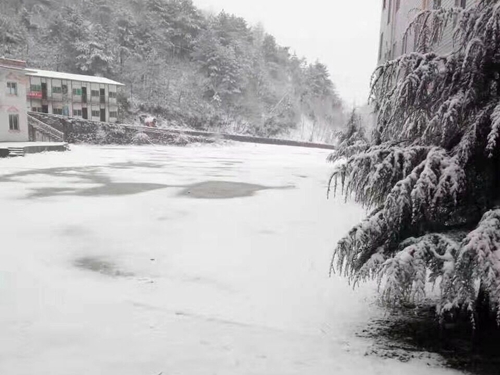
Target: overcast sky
<point>341,34</point>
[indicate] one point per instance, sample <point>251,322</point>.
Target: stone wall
<point>84,131</point>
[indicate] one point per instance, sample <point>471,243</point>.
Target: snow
<point>30,144</point>
<point>106,269</point>
<point>71,77</point>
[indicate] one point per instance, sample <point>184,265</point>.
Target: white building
<point>13,113</point>
<point>73,95</point>
<point>397,16</point>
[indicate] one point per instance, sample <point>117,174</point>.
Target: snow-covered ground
<point>106,268</point>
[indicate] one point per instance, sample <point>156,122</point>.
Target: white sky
<point>341,34</point>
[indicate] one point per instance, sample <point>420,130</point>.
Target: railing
<point>102,99</point>
<point>45,129</point>
<point>34,95</point>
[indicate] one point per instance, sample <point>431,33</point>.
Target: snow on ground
<point>107,269</point>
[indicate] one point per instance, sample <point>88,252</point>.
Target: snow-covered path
<point>106,268</point>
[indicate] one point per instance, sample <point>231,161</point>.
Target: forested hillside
<point>186,67</point>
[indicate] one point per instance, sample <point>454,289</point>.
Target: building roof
<point>71,77</point>
<point>10,67</point>
<point>11,63</point>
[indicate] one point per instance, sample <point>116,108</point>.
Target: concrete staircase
<point>44,132</point>
<point>43,137</point>
<point>16,151</point>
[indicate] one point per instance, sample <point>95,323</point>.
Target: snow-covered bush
<point>101,136</point>
<point>141,139</point>
<point>431,175</point>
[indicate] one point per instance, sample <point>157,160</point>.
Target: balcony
<point>56,97</point>
<point>35,95</point>
<point>101,99</point>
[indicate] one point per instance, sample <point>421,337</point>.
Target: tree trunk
<point>485,318</point>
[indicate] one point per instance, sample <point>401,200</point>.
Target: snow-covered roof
<point>10,67</point>
<point>71,77</point>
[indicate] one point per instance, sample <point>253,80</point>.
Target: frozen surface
<point>110,266</point>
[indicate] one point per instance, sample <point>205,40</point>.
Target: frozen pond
<point>200,260</point>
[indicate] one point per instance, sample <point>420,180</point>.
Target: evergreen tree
<point>12,35</point>
<point>125,34</point>
<point>354,133</point>
<point>187,24</point>
<point>432,175</point>
<point>222,62</point>
<point>93,55</point>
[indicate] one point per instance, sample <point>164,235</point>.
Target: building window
<point>56,90</point>
<point>95,92</point>
<point>77,112</point>
<point>14,122</point>
<point>37,109</point>
<point>112,95</point>
<point>437,4</point>
<point>57,111</point>
<point>113,114</point>
<point>11,88</point>
<point>36,88</point>
<point>77,92</point>
<point>96,113</point>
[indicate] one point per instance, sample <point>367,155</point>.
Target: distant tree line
<point>191,68</point>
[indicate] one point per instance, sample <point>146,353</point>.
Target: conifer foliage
<point>352,139</point>
<point>431,175</point>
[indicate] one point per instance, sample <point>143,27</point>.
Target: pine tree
<point>432,175</point>
<point>187,23</point>
<point>92,55</point>
<point>11,35</point>
<point>222,61</point>
<point>125,32</point>
<point>352,137</point>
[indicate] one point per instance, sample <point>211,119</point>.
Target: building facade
<point>397,16</point>
<point>13,111</point>
<point>73,95</point>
